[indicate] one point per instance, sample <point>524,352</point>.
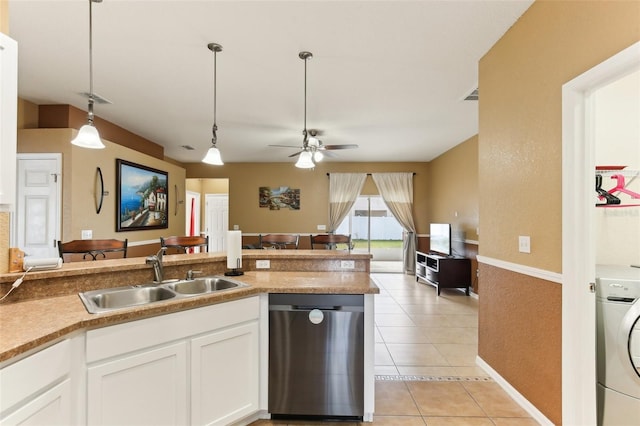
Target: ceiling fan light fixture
<point>318,156</point>
<point>88,136</point>
<point>305,161</point>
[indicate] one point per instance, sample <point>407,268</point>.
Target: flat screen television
<point>440,238</point>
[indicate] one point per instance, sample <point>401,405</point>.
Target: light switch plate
<point>87,234</point>
<point>524,244</point>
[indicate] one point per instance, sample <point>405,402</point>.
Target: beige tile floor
<point>426,374</point>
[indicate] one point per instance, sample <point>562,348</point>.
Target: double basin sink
<point>107,300</point>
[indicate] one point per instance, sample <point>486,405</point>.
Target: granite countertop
<point>25,326</point>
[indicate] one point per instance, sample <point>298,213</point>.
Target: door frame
<point>578,236</point>
<point>197,208</point>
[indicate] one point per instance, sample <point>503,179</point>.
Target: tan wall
<point>453,188</point>
<point>4,216</point>
<point>79,174</point>
<point>520,178</point>
<point>4,16</point>
<point>246,178</point>
<point>520,153</point>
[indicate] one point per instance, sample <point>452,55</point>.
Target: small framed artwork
<point>142,197</point>
<point>282,197</point>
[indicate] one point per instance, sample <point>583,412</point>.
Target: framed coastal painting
<point>142,197</point>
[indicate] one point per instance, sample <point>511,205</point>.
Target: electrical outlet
<point>347,264</point>
<point>524,244</point>
<point>87,234</point>
<point>263,264</point>
<point>322,227</point>
<point>236,227</point>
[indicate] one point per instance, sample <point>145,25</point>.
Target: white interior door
<point>217,220</point>
<point>38,219</point>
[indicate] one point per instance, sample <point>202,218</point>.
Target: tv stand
<point>443,271</point>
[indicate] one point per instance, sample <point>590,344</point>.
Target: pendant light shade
<point>305,161</point>
<point>88,136</point>
<point>213,156</point>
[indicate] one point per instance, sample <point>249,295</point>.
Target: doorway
<point>375,230</point>
<point>579,236</point>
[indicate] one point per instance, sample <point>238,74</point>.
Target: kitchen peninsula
<point>46,314</point>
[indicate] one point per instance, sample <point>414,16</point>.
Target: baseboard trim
<point>513,393</point>
<point>521,269</point>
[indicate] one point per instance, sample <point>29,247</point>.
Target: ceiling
<point>390,76</point>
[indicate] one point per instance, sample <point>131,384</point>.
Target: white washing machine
<point>618,341</point>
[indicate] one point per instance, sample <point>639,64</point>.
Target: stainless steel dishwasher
<point>316,355</point>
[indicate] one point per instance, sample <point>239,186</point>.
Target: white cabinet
<point>37,390</point>
<point>224,375</point>
<point>199,366</point>
<point>8,120</point>
<point>146,388</point>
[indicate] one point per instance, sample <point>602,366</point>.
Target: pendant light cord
<point>215,91</point>
<point>90,109</point>
<point>305,97</point>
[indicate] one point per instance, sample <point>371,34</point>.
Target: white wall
<point>617,132</point>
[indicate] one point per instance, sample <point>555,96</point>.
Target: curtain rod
<point>369,174</point>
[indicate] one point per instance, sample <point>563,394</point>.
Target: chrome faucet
<point>156,262</point>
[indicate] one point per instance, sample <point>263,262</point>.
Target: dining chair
<point>279,241</point>
<point>331,241</point>
<point>92,249</point>
<point>184,243</point>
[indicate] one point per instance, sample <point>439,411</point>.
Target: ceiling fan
<point>312,149</point>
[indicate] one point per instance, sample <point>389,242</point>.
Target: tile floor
<point>425,368</point>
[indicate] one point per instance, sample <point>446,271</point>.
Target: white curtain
<point>396,190</point>
<point>344,189</point>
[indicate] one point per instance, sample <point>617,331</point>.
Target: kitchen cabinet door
<point>36,390</point>
<point>143,388</point>
<point>51,408</point>
<point>224,375</point>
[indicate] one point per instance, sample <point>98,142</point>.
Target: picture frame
<point>283,197</point>
<point>142,197</point>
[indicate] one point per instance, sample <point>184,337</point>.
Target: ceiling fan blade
<point>296,154</point>
<point>344,146</point>
<point>286,146</point>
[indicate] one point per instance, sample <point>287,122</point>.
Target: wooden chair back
<point>183,244</point>
<point>330,241</point>
<point>279,241</point>
<point>92,249</point>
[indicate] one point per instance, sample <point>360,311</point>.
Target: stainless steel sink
<point>204,285</point>
<point>109,299</point>
<point>123,297</point>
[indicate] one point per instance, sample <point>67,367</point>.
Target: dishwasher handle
<point>309,308</point>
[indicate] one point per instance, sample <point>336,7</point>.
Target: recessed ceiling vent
<point>473,96</point>
<point>97,98</point>
<point>188,147</point>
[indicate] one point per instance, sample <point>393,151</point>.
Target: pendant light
<point>213,155</point>
<point>88,136</point>
<point>305,160</point>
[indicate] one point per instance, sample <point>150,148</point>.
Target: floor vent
<point>473,96</point>
<point>393,378</point>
